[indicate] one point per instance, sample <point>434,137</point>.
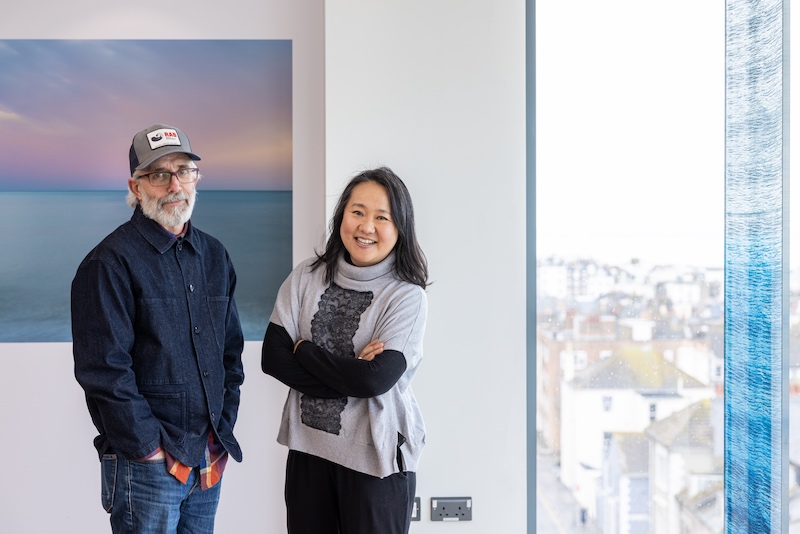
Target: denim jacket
<point>157,341</point>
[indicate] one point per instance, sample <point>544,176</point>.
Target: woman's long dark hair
<point>410,262</point>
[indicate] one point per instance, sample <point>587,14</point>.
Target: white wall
<point>52,478</point>
<point>435,89</point>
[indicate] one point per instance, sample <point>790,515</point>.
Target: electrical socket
<point>451,508</point>
<point>416,511</point>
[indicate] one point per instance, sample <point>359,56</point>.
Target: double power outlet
<point>445,509</point>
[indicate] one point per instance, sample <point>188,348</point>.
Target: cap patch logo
<point>163,137</point>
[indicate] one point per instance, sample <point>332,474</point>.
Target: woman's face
<point>368,231</point>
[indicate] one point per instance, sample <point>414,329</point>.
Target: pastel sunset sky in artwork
<point>69,109</point>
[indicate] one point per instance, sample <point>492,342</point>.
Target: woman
<point>346,337</point>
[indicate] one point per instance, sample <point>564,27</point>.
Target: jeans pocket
<point>108,479</point>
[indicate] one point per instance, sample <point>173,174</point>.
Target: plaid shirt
<point>211,467</point>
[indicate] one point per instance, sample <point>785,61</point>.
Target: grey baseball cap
<point>155,142</point>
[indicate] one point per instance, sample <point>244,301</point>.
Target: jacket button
<point>196,329</point>
<point>191,287</point>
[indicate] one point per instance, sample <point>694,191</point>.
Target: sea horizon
<point>46,234</point>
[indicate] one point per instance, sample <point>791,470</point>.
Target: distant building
<point>559,359</point>
<point>636,352</point>
<point>625,392</point>
<point>624,498</point>
<point>686,459</point>
<point>704,512</point>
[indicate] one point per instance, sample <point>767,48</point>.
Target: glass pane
<point>794,289</point>
<point>630,239</point>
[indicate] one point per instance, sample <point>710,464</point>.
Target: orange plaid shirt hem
<point>211,467</point>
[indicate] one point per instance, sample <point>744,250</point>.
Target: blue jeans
<point>143,498</point>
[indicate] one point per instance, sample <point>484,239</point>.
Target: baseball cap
<point>155,142</point>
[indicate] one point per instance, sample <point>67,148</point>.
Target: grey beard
<point>169,217</point>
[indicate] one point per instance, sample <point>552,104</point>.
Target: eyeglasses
<point>162,178</point>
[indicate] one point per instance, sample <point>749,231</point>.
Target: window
<point>630,249</point>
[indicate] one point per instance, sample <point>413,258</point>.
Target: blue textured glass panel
<point>755,229</point>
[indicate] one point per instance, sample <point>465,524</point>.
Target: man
<point>157,345</point>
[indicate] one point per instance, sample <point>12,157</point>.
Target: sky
<point>630,131</point>
<point>70,108</point>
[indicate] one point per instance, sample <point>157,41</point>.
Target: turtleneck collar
<point>365,274</point>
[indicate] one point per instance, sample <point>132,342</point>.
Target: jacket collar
<point>156,235</point>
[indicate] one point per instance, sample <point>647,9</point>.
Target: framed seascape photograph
<point>68,112</point>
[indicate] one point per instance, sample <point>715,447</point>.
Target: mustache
<point>175,197</point>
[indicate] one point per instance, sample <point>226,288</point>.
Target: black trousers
<point>325,498</point>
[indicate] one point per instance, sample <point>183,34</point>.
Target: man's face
<point>169,205</point>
